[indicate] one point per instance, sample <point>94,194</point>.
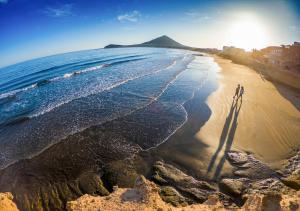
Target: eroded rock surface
<point>232,186</point>
<point>145,196</point>
<point>6,203</point>
<point>291,172</point>
<point>195,190</point>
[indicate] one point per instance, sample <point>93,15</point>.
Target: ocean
<point>45,100</point>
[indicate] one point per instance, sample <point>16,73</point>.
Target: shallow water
<point>45,100</point>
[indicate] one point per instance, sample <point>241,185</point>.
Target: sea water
<point>45,100</point>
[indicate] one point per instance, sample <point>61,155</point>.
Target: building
<point>287,57</point>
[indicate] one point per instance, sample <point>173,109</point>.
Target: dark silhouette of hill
<point>160,42</point>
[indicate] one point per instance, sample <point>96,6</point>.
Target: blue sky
<point>31,29</point>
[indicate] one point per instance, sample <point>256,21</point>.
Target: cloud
<point>197,17</point>
<point>134,16</point>
<point>57,12</point>
<point>293,28</point>
<point>3,1</point>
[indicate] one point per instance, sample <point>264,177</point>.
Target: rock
<point>142,188</point>
<point>172,196</point>
<point>129,199</point>
<point>272,202</point>
<point>232,187</point>
<point>293,180</point>
<point>6,203</point>
<point>168,175</point>
<point>291,165</point>
<point>221,199</point>
<point>120,173</point>
<point>237,157</point>
<point>247,165</point>
<point>115,187</point>
<point>267,185</point>
<point>91,183</point>
<point>143,197</point>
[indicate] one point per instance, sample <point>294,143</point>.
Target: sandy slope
<point>267,124</point>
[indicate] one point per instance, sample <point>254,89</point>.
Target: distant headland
<point>162,41</point>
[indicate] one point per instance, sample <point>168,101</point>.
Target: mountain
<point>160,42</point>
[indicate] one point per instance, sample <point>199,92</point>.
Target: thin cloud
<point>57,12</point>
<point>197,17</point>
<point>134,16</point>
<point>293,28</point>
<point>3,1</point>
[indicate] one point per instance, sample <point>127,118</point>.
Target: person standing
<point>241,93</point>
<point>237,90</point>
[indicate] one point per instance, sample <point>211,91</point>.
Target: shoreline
<point>74,166</point>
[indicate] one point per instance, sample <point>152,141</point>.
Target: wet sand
<point>266,122</point>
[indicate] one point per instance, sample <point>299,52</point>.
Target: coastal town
<point>279,63</point>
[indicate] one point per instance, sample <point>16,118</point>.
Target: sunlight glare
<point>247,33</point>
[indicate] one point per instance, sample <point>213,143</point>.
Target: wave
<point>102,90</point>
<point>12,94</point>
<point>65,76</point>
<point>19,83</point>
<point>78,72</point>
<point>68,75</point>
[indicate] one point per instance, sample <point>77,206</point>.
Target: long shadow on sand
<point>226,138</point>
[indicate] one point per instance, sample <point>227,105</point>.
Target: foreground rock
<point>272,202</point>
<point>232,186</point>
<point>194,190</point>
<point>291,172</point>
<point>251,176</point>
<point>6,203</point>
<point>144,196</point>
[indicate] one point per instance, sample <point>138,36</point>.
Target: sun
<point>247,33</point>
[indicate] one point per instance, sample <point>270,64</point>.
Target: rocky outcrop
<point>293,180</point>
<point>145,196</point>
<point>272,202</point>
<point>6,203</point>
<point>251,176</point>
<point>233,187</point>
<point>172,196</point>
<point>291,172</point>
<point>194,190</point>
<point>246,165</point>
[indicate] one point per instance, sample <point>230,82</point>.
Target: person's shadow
<point>226,138</point>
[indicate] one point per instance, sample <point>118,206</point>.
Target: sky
<point>36,28</point>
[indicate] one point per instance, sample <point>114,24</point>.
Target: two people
<point>239,91</point>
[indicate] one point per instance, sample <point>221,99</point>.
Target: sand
<point>266,123</point>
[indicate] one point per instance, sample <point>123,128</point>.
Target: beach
<point>264,124</point>
<point>267,124</point>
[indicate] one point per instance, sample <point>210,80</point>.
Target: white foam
<point>12,93</point>
<point>96,91</point>
<point>67,75</point>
